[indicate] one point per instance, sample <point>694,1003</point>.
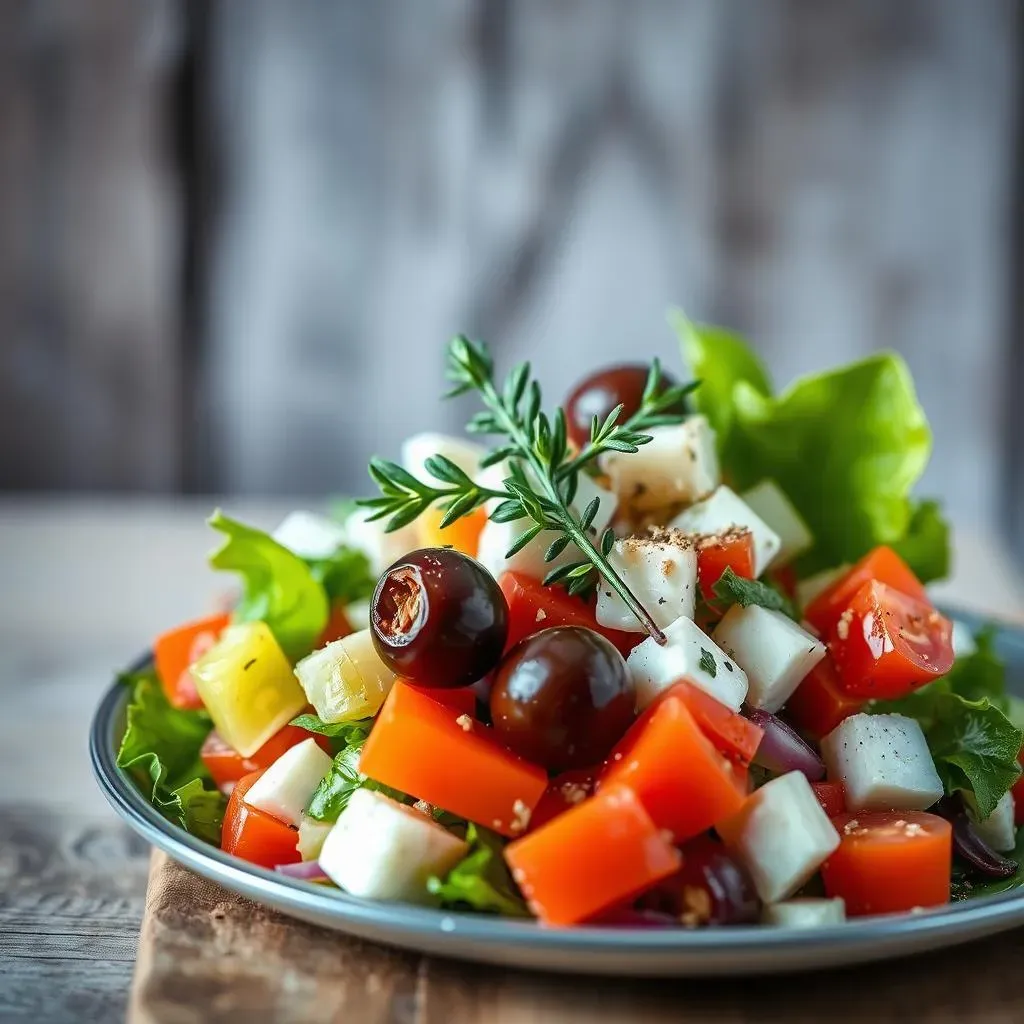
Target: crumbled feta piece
<point>768,501</point>
<point>661,573</point>
<point>724,510</point>
<point>381,849</point>
<point>679,464</point>
<point>382,549</point>
<point>420,447</point>
<point>781,835</point>
<point>773,650</point>
<point>883,762</point>
<point>691,653</point>
<point>805,913</point>
<point>309,535</point>
<point>285,788</point>
<point>312,834</point>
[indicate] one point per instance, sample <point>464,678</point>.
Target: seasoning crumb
<point>248,665</point>
<point>465,723</point>
<point>521,816</point>
<point>843,625</point>
<point>541,615</point>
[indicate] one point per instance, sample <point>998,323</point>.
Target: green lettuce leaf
<point>964,719</point>
<point>160,752</point>
<point>278,587</point>
<point>345,576</point>
<point>480,881</point>
<point>335,789</point>
<point>845,446</point>
<point>719,360</point>
<point>733,589</point>
<point>975,748</point>
<point>341,733</point>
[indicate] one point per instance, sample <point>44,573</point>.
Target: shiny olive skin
<point>711,888</point>
<point>439,618</point>
<point>599,393</point>
<point>562,698</point>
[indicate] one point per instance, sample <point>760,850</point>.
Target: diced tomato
<point>683,781</point>
<point>432,752</point>
<point>831,796</point>
<point>890,861</point>
<point>785,578</point>
<point>462,699</point>
<point>819,704</point>
<point>564,792</point>
<point>338,627</point>
<point>882,564</point>
<point>175,650</point>
<point>716,552</point>
<point>598,854</point>
<point>463,534</point>
<point>886,644</point>
<point>254,835</point>
<point>227,766</point>
<point>735,737</point>
<point>533,607</point>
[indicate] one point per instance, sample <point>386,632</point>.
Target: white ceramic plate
<point>609,951</point>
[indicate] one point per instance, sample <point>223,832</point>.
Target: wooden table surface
<point>85,584</point>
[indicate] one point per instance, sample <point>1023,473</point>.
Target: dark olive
<point>562,698</point>
<point>711,887</point>
<point>599,393</point>
<point>439,618</point>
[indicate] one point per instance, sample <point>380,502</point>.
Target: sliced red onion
<point>307,871</point>
<point>782,749</point>
<point>969,845</point>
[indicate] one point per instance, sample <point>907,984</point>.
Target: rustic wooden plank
<point>866,177</point>
<point>88,271</point>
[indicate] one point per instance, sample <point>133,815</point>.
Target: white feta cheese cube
<point>883,762</point>
<point>380,849</point>
<point>497,538</point>
<point>805,913</point>
<point>381,548</point>
<point>662,574</point>
<point>781,835</point>
<point>689,653</point>
<point>679,464</point>
<point>420,447</point>
<point>773,650</point>
<point>312,834</point>
<point>309,535</point>
<point>768,502</point>
<point>285,788</point>
<point>807,590</point>
<point>724,510</point>
<point>999,829</point>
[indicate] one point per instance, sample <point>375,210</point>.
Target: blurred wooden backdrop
<point>235,235</point>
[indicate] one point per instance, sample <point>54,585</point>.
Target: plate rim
<point>481,937</point>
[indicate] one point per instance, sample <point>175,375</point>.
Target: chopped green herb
<point>707,663</point>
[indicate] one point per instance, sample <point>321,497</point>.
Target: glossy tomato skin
<point>881,564</point>
<point>533,607</point>
<point>438,618</point>
<point>711,888</point>
<point>831,796</point>
<point>599,393</point>
<point>562,698</point>
<point>254,835</point>
<point>890,861</point>
<point>227,766</point>
<point>886,644</point>
<point>819,703</point>
<point>177,649</point>
<point>718,552</point>
<point>736,738</point>
<point>564,792</point>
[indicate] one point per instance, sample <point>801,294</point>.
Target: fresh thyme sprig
<point>543,473</point>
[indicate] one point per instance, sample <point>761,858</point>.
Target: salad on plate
<point>662,657</point>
